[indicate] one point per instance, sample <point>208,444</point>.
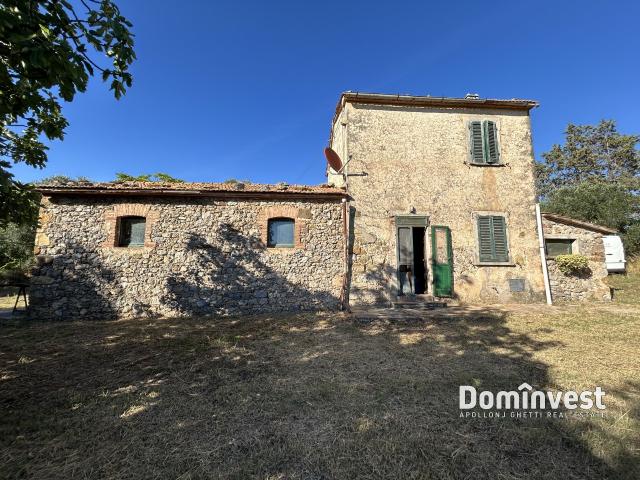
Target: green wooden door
<point>442,255</point>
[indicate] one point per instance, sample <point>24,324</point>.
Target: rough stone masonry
<point>204,252</point>
<point>411,164</point>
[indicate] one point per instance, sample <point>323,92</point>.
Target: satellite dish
<point>333,158</point>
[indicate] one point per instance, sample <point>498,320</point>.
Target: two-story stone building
<point>436,199</point>
<point>443,197</point>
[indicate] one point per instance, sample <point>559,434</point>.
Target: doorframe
<point>411,220</point>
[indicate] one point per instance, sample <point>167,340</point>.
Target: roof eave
<point>111,192</point>
<point>412,100</point>
<point>579,223</point>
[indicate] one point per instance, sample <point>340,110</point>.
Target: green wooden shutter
<point>476,143</point>
<point>485,239</point>
<point>492,155</point>
<point>492,239</point>
<point>132,231</point>
<point>501,249</point>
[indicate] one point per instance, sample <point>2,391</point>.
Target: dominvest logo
<point>525,398</point>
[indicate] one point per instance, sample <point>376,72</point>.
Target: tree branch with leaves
<point>49,49</point>
<point>595,176</point>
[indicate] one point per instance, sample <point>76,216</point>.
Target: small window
<point>558,246</point>
<point>492,239</point>
<point>280,232</point>
<point>483,139</point>
<point>131,231</point>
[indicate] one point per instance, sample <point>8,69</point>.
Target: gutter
<point>344,296</point>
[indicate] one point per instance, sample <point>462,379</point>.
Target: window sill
<point>494,264</point>
<point>283,249</point>
<point>131,250</point>
<point>473,164</point>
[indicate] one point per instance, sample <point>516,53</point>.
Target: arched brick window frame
<point>299,215</point>
<point>120,210</point>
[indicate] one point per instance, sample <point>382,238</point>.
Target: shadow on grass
<point>305,396</point>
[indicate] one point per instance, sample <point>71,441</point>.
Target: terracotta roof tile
<point>554,217</point>
<point>195,188</point>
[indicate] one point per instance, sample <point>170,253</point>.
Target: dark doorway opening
<point>418,260</point>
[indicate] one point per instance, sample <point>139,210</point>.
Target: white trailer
<point>614,253</point>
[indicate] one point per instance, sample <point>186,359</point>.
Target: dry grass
<point>627,286</point>
<point>314,397</point>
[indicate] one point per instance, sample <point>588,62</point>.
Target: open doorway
<point>412,274</point>
<point>418,260</point>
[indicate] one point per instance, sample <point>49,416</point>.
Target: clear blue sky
<point>246,90</point>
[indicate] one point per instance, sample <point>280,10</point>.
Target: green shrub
<point>631,240</point>
<point>16,248</point>
<point>572,264</point>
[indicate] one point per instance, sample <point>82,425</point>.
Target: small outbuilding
<point>568,236</point>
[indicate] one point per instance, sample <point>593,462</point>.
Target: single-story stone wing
<point>109,250</point>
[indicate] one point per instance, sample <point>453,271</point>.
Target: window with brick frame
<point>281,232</point>
<point>277,222</point>
<point>131,231</point>
<point>134,230</point>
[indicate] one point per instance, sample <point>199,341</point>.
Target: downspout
<point>345,207</point>
<point>344,298</point>
<point>543,256</point>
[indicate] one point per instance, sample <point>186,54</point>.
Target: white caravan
<point>614,253</point>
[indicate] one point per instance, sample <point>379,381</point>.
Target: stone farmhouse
<point>435,201</point>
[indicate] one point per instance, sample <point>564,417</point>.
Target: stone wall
<point>584,286</point>
<point>406,159</point>
<point>200,256</point>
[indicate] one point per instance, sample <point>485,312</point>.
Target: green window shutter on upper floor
<point>483,140</point>
<point>492,154</point>
<point>492,239</point>
<point>475,135</point>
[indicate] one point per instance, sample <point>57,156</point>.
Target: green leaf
<point>49,58</point>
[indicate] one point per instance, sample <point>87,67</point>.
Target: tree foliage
<point>148,177</point>
<point>61,180</point>
<point>16,247</point>
<point>603,203</point>
<point>595,176</point>
<point>591,153</point>
<point>48,52</point>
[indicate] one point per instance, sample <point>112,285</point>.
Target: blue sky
<point>246,90</point>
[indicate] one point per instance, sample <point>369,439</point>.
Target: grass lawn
<point>627,287</point>
<point>316,396</point>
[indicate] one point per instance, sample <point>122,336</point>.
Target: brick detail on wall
<point>299,215</point>
<point>128,210</point>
